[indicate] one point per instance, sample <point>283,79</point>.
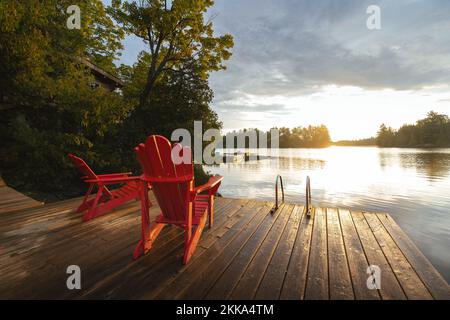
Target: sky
<point>303,62</point>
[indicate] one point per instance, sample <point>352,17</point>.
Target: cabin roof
<point>102,74</point>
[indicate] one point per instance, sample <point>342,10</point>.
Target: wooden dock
<point>249,253</point>
<point>11,200</point>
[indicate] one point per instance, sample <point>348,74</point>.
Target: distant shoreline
<point>360,146</point>
<point>338,145</point>
<point>419,146</point>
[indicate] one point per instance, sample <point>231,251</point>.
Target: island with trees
<point>298,137</point>
<point>430,132</point>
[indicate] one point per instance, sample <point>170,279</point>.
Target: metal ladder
<point>308,204</point>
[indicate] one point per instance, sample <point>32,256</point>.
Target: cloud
<point>293,48</point>
<point>300,62</point>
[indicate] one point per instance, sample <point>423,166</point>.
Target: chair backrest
<point>172,183</point>
<point>83,167</point>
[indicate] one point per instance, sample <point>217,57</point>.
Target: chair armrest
<point>212,183</point>
<point>185,178</point>
<point>113,180</point>
<point>112,175</point>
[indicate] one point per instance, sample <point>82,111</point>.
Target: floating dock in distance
<point>249,253</point>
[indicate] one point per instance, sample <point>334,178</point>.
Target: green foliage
<point>308,137</point>
<point>356,143</point>
<point>48,108</point>
<point>299,137</point>
<point>433,131</point>
<point>385,136</point>
<point>177,101</point>
<point>36,46</point>
<point>179,38</point>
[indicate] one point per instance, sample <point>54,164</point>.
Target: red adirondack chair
<point>105,199</point>
<point>181,203</point>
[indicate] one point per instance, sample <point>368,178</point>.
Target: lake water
<point>413,185</point>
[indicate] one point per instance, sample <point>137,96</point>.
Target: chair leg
<point>144,246</point>
<point>153,233</point>
<point>84,205</point>
<point>139,250</point>
<point>211,210</point>
<point>191,245</point>
<point>145,218</point>
<point>91,212</point>
<point>144,222</point>
<point>149,234</point>
<point>187,231</point>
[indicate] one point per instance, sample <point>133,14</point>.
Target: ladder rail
<point>279,184</point>
<point>308,196</point>
<point>278,178</point>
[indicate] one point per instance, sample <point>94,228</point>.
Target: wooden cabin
<point>102,78</point>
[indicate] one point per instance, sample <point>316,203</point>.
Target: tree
<point>285,137</point>
<point>432,131</point>
<point>433,128</point>
<point>178,38</point>
<point>321,136</point>
<point>405,136</point>
<point>178,100</point>
<point>36,46</point>
<point>300,137</point>
<point>385,136</point>
<point>48,108</point>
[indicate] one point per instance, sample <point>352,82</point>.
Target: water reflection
<point>434,165</point>
<point>413,185</point>
<point>301,163</point>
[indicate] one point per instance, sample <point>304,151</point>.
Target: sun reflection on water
<point>413,185</point>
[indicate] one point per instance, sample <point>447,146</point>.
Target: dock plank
<point>317,280</point>
<point>435,283</point>
<point>272,282</point>
<point>12,201</point>
<point>409,280</point>
<point>206,279</point>
<point>341,287</point>
<point>249,282</point>
<point>295,281</point>
<point>390,287</point>
<point>357,260</point>
<point>230,277</point>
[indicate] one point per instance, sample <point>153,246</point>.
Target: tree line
<point>356,143</point>
<point>432,131</point>
<point>298,137</point>
<point>305,137</point>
